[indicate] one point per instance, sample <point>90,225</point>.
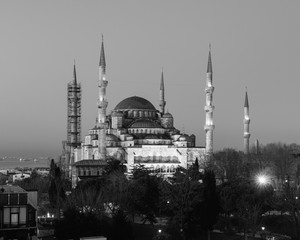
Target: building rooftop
<point>11,189</point>
<point>135,103</point>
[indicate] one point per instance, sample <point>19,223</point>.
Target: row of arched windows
<point>146,130</point>
<point>89,172</point>
<point>162,169</point>
<point>141,114</point>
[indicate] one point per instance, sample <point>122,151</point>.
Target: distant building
<point>20,176</point>
<point>18,213</point>
<point>138,133</point>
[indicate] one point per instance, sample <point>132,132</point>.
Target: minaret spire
<point>209,108</point>
<point>162,102</point>
<point>209,64</point>
<point>102,105</point>
<point>102,63</point>
<point>74,74</point>
<point>246,124</point>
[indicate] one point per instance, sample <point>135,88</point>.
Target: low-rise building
<point>18,213</point>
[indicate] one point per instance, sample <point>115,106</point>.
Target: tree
<point>181,198</point>
<point>209,207</point>
<point>242,199</point>
<point>228,164</point>
<point>35,182</point>
<point>144,188</point>
<point>77,224</point>
<point>57,187</point>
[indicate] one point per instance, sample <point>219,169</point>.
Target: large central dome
<point>135,103</point>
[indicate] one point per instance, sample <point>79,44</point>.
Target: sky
<point>254,44</point>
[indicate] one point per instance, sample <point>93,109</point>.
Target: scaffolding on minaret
<point>73,120</point>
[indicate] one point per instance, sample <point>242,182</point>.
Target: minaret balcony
<point>247,135</point>
<point>209,89</point>
<point>209,127</point>
<point>162,103</point>
<point>209,108</point>
<point>247,121</point>
<point>102,104</point>
<point>103,83</point>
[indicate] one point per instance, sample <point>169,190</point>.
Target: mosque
<point>136,132</point>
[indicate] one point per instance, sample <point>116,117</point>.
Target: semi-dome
<point>111,137</point>
<point>135,103</point>
<point>144,123</point>
<point>167,115</point>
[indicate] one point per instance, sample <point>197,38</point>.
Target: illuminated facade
<point>135,132</point>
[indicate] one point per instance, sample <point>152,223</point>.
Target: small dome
<point>116,114</point>
<point>111,137</point>
<point>184,137</point>
<point>135,103</point>
<point>167,115</point>
<point>144,123</point>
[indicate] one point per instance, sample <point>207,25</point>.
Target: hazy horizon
<point>255,44</point>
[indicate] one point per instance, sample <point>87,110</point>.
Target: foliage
<point>190,200</point>
<point>58,185</point>
<point>228,164</point>
<point>144,188</point>
<point>113,165</point>
<point>242,199</point>
<point>76,224</point>
<point>35,182</point>
<point>121,227</point>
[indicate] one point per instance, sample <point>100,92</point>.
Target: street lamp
<point>262,180</point>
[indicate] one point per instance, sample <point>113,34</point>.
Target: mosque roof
<point>167,114</point>
<point>144,123</point>
<point>111,137</point>
<point>135,103</point>
<point>151,136</point>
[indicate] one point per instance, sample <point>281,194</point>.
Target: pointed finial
<point>246,105</point>
<point>162,80</point>
<point>74,74</point>
<point>209,64</point>
<point>102,57</point>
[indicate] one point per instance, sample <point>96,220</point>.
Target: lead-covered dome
<point>135,103</point>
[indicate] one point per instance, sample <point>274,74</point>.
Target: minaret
<point>162,102</point>
<point>246,125</point>
<point>74,118</point>
<point>102,105</point>
<point>209,108</point>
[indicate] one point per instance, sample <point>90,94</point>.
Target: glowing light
<point>263,228</point>
<point>159,230</point>
<point>263,179</point>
